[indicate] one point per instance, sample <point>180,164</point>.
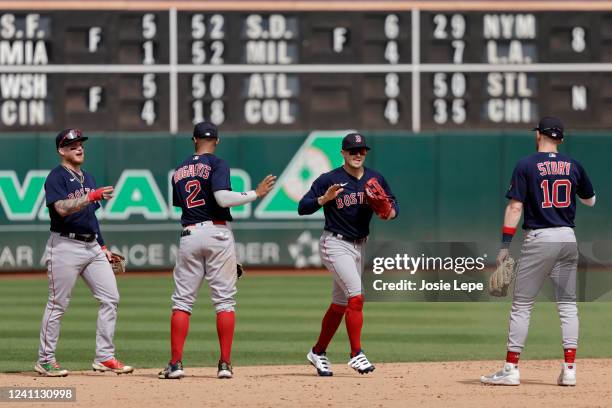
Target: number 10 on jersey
<point>556,186</point>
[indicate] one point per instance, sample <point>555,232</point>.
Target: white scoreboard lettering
<point>459,68</point>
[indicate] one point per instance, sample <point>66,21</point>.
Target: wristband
<point>96,195</point>
<point>507,235</point>
<point>104,247</point>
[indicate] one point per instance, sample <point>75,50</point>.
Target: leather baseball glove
<point>239,270</point>
<point>117,263</point>
<point>378,199</point>
<point>502,278</point>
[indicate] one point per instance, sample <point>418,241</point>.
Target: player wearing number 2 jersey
<point>545,186</point>
<point>201,188</point>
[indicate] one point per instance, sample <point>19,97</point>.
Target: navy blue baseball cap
<point>205,129</point>
<point>354,141</point>
<point>551,127</point>
<point>69,136</point>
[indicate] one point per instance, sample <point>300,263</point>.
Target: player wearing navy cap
<point>544,186</point>
<point>201,188</point>
<point>341,193</point>
<point>76,247</point>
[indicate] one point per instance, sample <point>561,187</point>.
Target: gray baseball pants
<point>345,260</point>
<point>66,259</point>
<point>546,253</point>
<point>208,253</point>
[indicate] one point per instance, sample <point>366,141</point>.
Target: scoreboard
<point>288,69</point>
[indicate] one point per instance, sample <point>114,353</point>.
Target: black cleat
<point>172,371</point>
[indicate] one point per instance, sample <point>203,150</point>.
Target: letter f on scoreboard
<point>339,39</point>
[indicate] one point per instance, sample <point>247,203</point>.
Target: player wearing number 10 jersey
<point>201,188</point>
<point>545,186</point>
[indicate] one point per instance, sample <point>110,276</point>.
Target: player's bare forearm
<point>512,217</point>
<point>71,205</point>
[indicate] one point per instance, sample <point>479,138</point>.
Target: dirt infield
<point>449,384</point>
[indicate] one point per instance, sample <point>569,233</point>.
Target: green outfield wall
<point>450,187</point>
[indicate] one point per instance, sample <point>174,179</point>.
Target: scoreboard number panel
<point>41,94</point>
<point>419,69</point>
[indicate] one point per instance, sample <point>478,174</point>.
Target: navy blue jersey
<point>547,185</point>
<point>61,185</point>
<point>193,185</point>
<point>349,214</point>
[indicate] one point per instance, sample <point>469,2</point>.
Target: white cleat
<point>361,364</point>
<point>567,377</point>
<point>509,375</point>
<point>321,363</point>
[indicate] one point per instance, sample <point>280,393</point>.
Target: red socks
<point>570,355</point>
<point>225,330</point>
<point>512,357</point>
<point>179,327</point>
<point>354,323</point>
<point>331,322</point>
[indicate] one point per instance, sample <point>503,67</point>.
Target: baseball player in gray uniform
<point>342,194</point>
<point>545,186</point>
<point>76,248</point>
<point>201,188</point>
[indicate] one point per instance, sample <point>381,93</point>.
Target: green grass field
<point>278,319</point>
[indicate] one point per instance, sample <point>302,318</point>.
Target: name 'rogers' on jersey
<point>193,184</point>
<point>547,185</point>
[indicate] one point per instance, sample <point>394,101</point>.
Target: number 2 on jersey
<point>193,188</point>
<point>555,193</point>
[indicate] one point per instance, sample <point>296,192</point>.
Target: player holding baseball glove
<point>76,248</point>
<point>545,186</point>
<point>349,196</point>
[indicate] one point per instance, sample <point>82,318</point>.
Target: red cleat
<point>113,365</point>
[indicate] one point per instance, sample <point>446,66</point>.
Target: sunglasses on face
<point>73,134</point>
<point>362,151</point>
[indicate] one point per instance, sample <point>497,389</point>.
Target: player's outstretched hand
<point>265,186</point>
<point>102,193</point>
<point>331,193</point>
<point>501,256</point>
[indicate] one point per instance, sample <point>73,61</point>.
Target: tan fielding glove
<point>117,263</point>
<point>500,280</point>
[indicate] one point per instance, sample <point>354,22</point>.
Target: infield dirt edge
<point>392,384</point>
